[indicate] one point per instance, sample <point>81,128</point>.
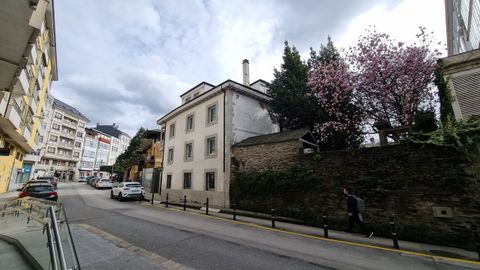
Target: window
<point>188,99</point>
<point>56,126</point>
<point>79,134</point>
<point>172,130</point>
<point>211,150</point>
<point>170,155</point>
<point>212,114</point>
<point>78,144</point>
<point>51,150</point>
<point>58,115</point>
<point>53,138</point>
<point>196,94</point>
<point>81,124</point>
<point>189,151</point>
<point>169,181</point>
<point>210,181</point>
<point>190,123</point>
<point>76,154</point>
<point>187,180</point>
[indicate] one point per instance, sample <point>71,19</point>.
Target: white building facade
<point>63,142</point>
<point>461,68</point>
<point>200,133</point>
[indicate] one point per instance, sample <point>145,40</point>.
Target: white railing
<point>23,81</point>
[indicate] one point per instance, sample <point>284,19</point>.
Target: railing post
<point>206,207</point>
<point>476,239</point>
<point>153,197</point>
<point>166,202</point>
<point>273,217</point>
<point>325,225</point>
<point>234,211</point>
<point>58,240</point>
<point>184,202</point>
<point>394,233</point>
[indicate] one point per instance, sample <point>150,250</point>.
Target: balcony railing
<point>40,229</point>
<point>13,114</point>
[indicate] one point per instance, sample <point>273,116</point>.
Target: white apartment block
<point>201,131</point>
<point>119,141</point>
<point>64,142</point>
<point>89,153</point>
<point>462,66</point>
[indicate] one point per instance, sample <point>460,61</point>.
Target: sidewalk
<point>8,196</point>
<point>339,236</point>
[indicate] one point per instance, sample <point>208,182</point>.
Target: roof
<point>152,133</point>
<point>67,108</point>
<point>259,80</point>
<point>275,137</point>
<point>193,88</point>
<point>225,85</point>
<point>110,130</point>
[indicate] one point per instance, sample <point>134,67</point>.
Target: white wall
<point>249,118</point>
<point>199,163</point>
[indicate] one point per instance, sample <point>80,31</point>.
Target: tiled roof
<point>274,137</point>
<point>67,108</point>
<point>110,130</point>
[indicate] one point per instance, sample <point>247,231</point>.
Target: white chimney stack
<point>246,73</point>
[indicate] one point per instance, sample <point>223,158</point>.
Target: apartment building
<point>119,141</point>
<point>27,68</point>
<point>462,66</point>
<point>64,142</point>
<point>200,132</point>
<point>89,153</point>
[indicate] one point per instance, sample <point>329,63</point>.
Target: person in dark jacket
<point>353,215</point>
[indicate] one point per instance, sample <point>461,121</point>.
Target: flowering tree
<point>392,80</point>
<point>331,82</point>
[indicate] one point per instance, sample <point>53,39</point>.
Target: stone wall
<point>433,191</point>
<point>265,157</point>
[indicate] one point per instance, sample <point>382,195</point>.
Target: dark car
<point>39,190</point>
<point>53,180</point>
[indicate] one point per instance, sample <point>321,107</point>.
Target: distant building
<point>89,153</point>
<point>64,142</point>
<point>28,65</point>
<point>119,141</point>
<point>462,66</point>
<point>200,132</point>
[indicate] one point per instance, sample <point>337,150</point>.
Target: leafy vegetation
<point>133,155</point>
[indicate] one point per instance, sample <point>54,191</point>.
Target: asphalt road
<point>202,243</point>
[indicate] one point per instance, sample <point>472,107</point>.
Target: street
<point>204,243</point>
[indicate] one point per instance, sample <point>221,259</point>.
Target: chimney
<point>246,73</point>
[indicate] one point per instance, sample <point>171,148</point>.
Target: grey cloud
<point>128,61</point>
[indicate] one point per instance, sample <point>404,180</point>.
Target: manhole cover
<point>447,254</point>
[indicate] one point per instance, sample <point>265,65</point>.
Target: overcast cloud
<point>127,62</point>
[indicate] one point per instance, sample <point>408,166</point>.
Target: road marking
<point>434,257</point>
<point>154,257</point>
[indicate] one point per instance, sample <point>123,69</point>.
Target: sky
<point>127,62</point>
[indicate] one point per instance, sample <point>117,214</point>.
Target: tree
<point>292,106</point>
<point>332,86</point>
<point>393,80</point>
<point>133,155</point>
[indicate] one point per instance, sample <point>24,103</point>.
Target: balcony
<point>27,133</point>
<point>70,135</point>
<point>69,123</point>
<point>22,87</point>
<point>65,145</point>
<point>33,104</point>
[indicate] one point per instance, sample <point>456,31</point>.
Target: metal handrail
<point>45,212</point>
<point>58,241</point>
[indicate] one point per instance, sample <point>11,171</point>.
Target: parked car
<point>39,190</point>
<point>53,180</point>
<point>127,190</point>
<point>90,179</point>
<point>82,179</point>
<point>104,183</point>
<point>94,182</point>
